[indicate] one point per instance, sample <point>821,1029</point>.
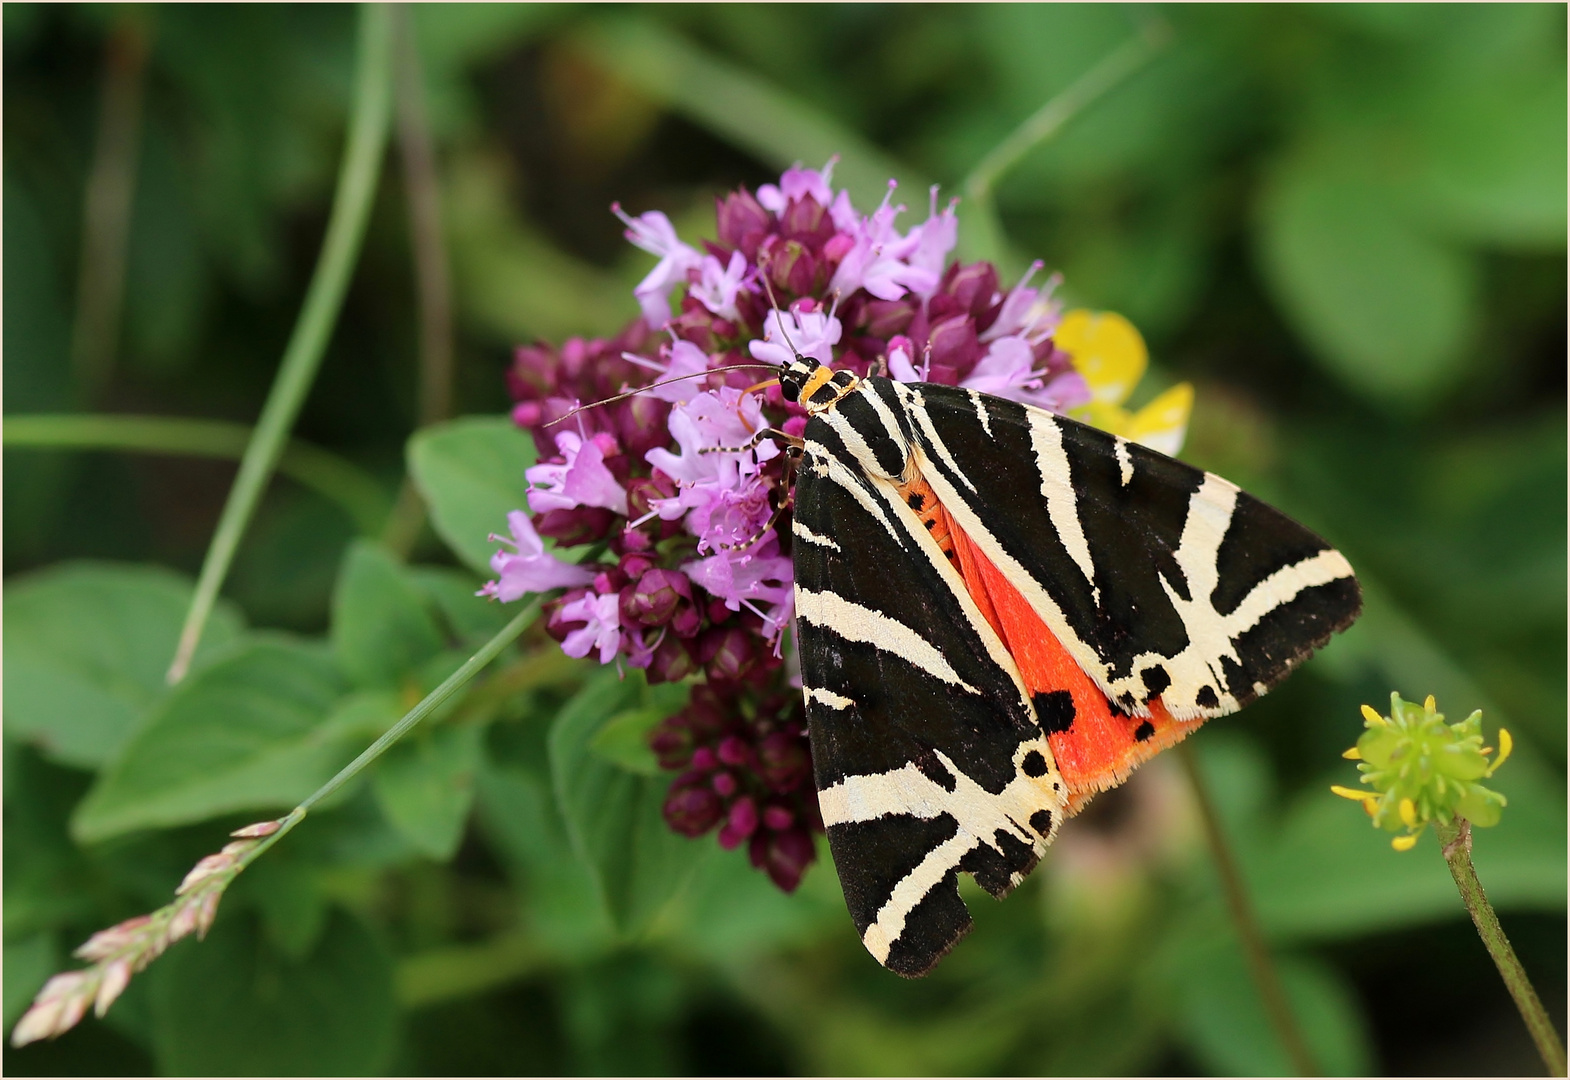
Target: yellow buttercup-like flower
<point>1110,354</point>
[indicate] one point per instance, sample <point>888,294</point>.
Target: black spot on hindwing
<point>1145,730</point>
<point>1055,710</point>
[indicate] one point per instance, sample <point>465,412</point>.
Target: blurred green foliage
<point>1346,224</point>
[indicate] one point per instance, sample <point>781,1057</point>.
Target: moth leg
<point>750,444</point>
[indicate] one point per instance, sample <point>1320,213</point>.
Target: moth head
<point>795,375</point>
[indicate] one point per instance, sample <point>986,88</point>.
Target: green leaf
<point>425,786</point>
<point>614,816</point>
<point>624,740</point>
<point>381,628</point>
<point>518,811</point>
<point>471,618</point>
<point>233,1005</point>
<point>1221,1017</point>
<point>246,733</point>
<point>470,473</point>
<point>1388,309</point>
<point>86,649</point>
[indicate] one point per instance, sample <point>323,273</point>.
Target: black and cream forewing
<point>928,757</point>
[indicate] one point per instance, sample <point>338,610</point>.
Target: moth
<point>1001,612</point>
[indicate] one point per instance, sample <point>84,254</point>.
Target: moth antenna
<point>775,305</point>
<point>663,382</point>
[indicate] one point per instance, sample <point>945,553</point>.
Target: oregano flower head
<point>1420,769</point>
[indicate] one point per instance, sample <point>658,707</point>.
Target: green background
<point>1345,225</point>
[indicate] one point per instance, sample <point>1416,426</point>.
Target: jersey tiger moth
<point>1001,612</point>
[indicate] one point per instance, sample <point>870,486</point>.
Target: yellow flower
<point>1110,354</point>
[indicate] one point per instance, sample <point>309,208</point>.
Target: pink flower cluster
<point>689,507</point>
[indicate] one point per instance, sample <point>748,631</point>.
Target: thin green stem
<point>357,492</point>
<point>1455,840</point>
<point>1260,963</point>
<point>429,704</point>
<point>986,239</point>
<point>357,180</point>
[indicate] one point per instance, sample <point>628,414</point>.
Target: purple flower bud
<point>954,345</point>
<point>733,750</point>
<point>742,822</point>
<point>724,784</point>
<point>729,653</point>
<point>777,817</point>
<point>885,318</point>
<point>671,662</point>
<point>655,597</point>
<point>580,525</point>
<point>743,222</point>
<point>784,856</point>
<point>672,741</point>
<point>784,761</point>
<point>703,759</point>
<point>790,266</point>
<point>691,808</point>
<point>973,286</point>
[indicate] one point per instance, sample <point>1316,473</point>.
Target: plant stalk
<point>354,490</point>
<point>362,162</point>
<point>986,232</point>
<point>1455,840</point>
<point>1260,963</point>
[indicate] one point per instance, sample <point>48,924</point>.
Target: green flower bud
<point>1420,769</point>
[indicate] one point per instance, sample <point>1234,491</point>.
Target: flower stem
<point>985,233</point>
<point>1455,840</point>
<point>335,478</point>
<point>1260,964</point>
<point>362,162</point>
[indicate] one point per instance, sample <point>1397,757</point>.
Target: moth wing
<point>1161,580</point>
<point>928,755</point>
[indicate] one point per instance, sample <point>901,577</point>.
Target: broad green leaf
<point>381,627</point>
<point>234,1005</point>
<point>731,912</point>
<point>290,897</point>
<point>246,733</point>
<point>425,786</point>
<point>1494,166</point>
<point>1388,309</point>
<point>1221,1018</point>
<point>86,649</point>
<point>614,816</point>
<point>624,740</point>
<point>470,473</point>
<point>471,617</point>
<point>518,812</point>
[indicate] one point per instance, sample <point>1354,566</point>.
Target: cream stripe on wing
<point>811,537</point>
<point>856,623</point>
<point>910,891</point>
<point>827,697</point>
<point>1057,488</point>
<point>1283,586</point>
